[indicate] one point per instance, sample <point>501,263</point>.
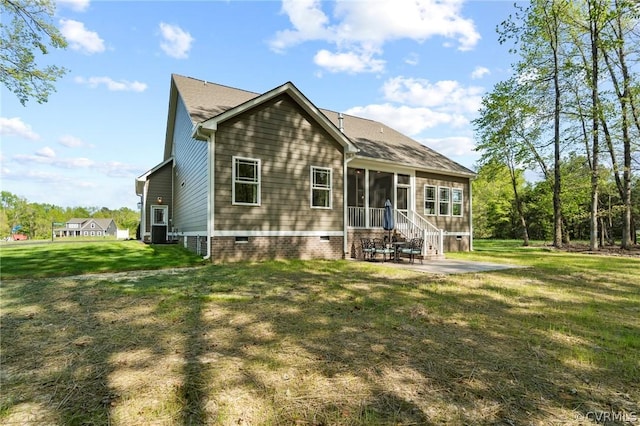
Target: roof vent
<point>341,122</point>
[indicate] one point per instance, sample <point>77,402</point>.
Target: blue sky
<point>420,67</point>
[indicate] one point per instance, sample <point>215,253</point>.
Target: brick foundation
<point>228,249</point>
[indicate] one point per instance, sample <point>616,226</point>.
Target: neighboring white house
<point>79,227</point>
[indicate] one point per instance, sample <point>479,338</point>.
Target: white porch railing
<point>361,217</point>
<point>411,225</point>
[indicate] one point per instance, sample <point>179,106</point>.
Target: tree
<point>505,133</point>
<point>539,34</point>
<point>26,27</point>
<point>493,202</point>
<point>616,56</point>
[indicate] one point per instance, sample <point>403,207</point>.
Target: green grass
<point>39,260</point>
<point>326,342</point>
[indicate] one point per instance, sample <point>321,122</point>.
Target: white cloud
<point>408,120</point>
<point>309,23</point>
<point>412,59</point>
<point>365,26</point>
<point>445,95</point>
<point>73,142</point>
<point>63,163</point>
<point>47,156</point>
<point>350,62</point>
<point>112,85</point>
<point>118,169</point>
<point>80,38</point>
<point>16,127</point>
<point>75,5</point>
<point>454,146</point>
<point>176,42</point>
<point>46,152</point>
<point>480,72</point>
<point>416,105</point>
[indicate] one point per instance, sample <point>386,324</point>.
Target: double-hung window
<point>429,200</point>
<point>456,201</point>
<point>444,200</point>
<point>321,187</point>
<point>246,181</point>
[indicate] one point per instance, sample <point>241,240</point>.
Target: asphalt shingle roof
<point>375,140</point>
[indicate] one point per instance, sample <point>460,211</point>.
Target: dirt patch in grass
<point>319,343</point>
<point>607,250</point>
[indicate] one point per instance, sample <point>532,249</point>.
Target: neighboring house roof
<point>209,102</point>
<point>84,223</point>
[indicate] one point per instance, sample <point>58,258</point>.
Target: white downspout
<point>470,217</point>
<point>210,195</point>
<point>345,207</point>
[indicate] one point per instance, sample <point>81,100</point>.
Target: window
<point>246,181</point>
<point>404,179</point>
<point>320,187</point>
<point>444,199</point>
<point>456,202</point>
<point>429,200</point>
<point>159,215</point>
<point>93,225</point>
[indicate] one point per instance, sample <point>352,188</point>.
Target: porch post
<point>367,217</point>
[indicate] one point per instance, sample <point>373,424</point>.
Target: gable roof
<point>209,103</point>
<point>140,180</point>
<point>85,222</point>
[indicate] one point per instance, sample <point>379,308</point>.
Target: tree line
<point>496,213</point>
<point>569,114</point>
<point>36,219</point>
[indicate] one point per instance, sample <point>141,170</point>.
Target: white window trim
<point>448,202</point>
<point>233,181</point>
<point>165,214</point>
<point>435,201</point>
<point>330,189</point>
<point>461,202</point>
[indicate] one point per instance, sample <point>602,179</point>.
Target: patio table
<point>396,248</point>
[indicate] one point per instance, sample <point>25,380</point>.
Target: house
<point>269,175</point>
<point>83,227</point>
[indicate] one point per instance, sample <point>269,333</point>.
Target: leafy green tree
<point>494,212</point>
<point>539,34</point>
<point>26,27</point>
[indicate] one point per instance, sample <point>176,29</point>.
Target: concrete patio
<point>448,266</point>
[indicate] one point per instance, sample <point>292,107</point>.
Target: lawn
<point>325,342</point>
<point>45,259</point>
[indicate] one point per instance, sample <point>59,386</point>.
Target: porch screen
<point>355,187</point>
<point>380,188</point>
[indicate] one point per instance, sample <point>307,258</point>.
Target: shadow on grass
<point>319,343</point>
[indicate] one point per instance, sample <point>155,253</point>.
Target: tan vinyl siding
<point>159,186</point>
<point>191,181</point>
<point>287,142</point>
<point>448,223</point>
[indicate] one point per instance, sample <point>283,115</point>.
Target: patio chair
<point>413,249</point>
<point>383,248</point>
<point>368,249</point>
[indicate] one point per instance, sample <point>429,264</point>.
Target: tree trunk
<point>594,33</point>
<point>557,177</point>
